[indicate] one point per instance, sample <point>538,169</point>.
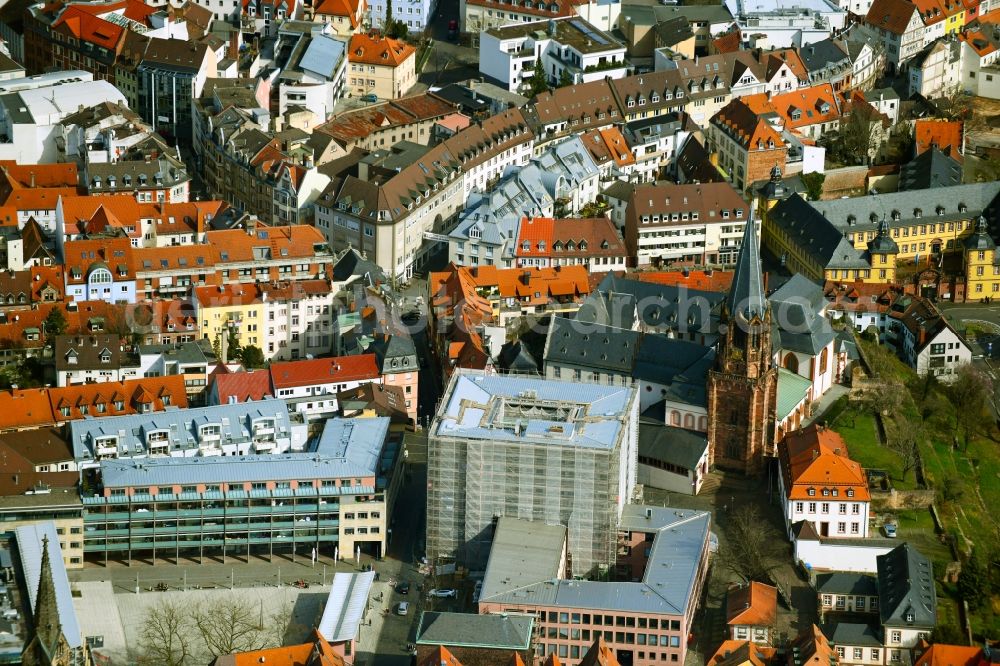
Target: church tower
<point>743,386</point>
<point>48,645</point>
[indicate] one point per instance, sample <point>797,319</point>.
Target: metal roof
<point>181,424</point>
<point>792,390</point>
<point>345,607</point>
<point>348,448</point>
<point>506,631</point>
<point>523,552</point>
<point>679,544</point>
<point>29,547</point>
<point>323,55</point>
<point>534,411</point>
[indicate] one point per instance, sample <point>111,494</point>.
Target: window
<point>825,507</point>
<point>859,653</point>
<point>827,600</point>
<point>896,637</point>
<point>876,654</point>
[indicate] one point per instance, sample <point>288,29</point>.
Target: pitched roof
<point>746,294</point>
<point>308,372</point>
<point>383,51</point>
<point>25,408</point>
<point>816,458</point>
<point>746,127</point>
<point>947,135</point>
<point>807,106</point>
<point>907,595</point>
<point>83,400</point>
<point>753,605</point>
<point>742,653</point>
<point>242,386</point>
<point>891,15</point>
<point>708,280</point>
<point>811,647</point>
<point>547,237</point>
<point>941,654</point>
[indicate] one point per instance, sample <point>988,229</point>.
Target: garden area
<point>940,437</point>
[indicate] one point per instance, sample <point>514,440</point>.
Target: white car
<point>443,594</point>
<point>403,608</point>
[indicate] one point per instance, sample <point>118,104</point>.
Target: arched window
<point>689,421</point>
<point>675,418</point>
<point>791,362</point>
<point>823,359</point>
<point>703,423</point>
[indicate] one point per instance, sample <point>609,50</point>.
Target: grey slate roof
<point>655,306</point>
<point>907,596</point>
<point>351,264</point>
<point>847,583</point>
<point>816,235</point>
<point>677,446</point>
<point>507,631</point>
<point>931,168</point>
<point>797,307</point>
<point>867,211</point>
<point>819,55</point>
<point>515,357</point>
<point>980,238</point>
<point>746,295</point>
<point>852,634</point>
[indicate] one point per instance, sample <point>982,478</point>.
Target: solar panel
<point>588,32</point>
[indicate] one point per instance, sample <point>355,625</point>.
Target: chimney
<point>32,179</point>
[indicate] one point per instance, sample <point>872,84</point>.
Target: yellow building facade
<point>236,309</point>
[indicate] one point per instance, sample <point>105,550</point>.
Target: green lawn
<point>857,427</point>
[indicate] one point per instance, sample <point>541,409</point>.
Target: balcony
<point>107,451</point>
<point>159,448</point>
<point>207,449</point>
<point>263,446</point>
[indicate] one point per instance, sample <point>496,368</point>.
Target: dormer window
<point>811,492</point>
<point>850,492</point>
<point>896,216</point>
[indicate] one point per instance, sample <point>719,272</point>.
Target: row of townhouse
<point>110,269</point>
<point>30,409</point>
<point>904,28</point>
<point>557,183</point>
<point>310,387</point>
<point>387,213</point>
<point>966,61</point>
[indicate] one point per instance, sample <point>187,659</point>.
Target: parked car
<point>443,594</point>
<point>403,588</point>
<point>403,608</point>
<point>371,98</point>
<point>477,591</point>
<point>890,530</point>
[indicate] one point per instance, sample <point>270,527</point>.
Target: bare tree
<point>885,399</point>
<point>970,394</point>
<point>166,635</point>
<point>906,443</point>
<point>753,549</point>
<point>230,624</point>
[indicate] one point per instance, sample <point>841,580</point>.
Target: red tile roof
<point>815,104</point>
<point>348,8</point>
<point>242,386</point>
<point>131,393</point>
<point>86,27</point>
<point>754,605</point>
<point>891,15</point>
<point>375,50</point>
<point>945,134</point>
<point>719,281</point>
<point>547,237</point>
<point>941,654</point>
<point>816,458</point>
<point>25,408</point>
<point>743,124</point>
<point>309,372</point>
<point>740,653</point>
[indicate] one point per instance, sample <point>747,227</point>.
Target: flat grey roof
<point>523,552</point>
<point>533,411</point>
<point>504,631</point>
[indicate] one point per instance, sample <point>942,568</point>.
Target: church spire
<point>48,630</point>
<point>746,295</point>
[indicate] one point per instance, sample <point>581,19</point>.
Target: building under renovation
<point>549,451</point>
